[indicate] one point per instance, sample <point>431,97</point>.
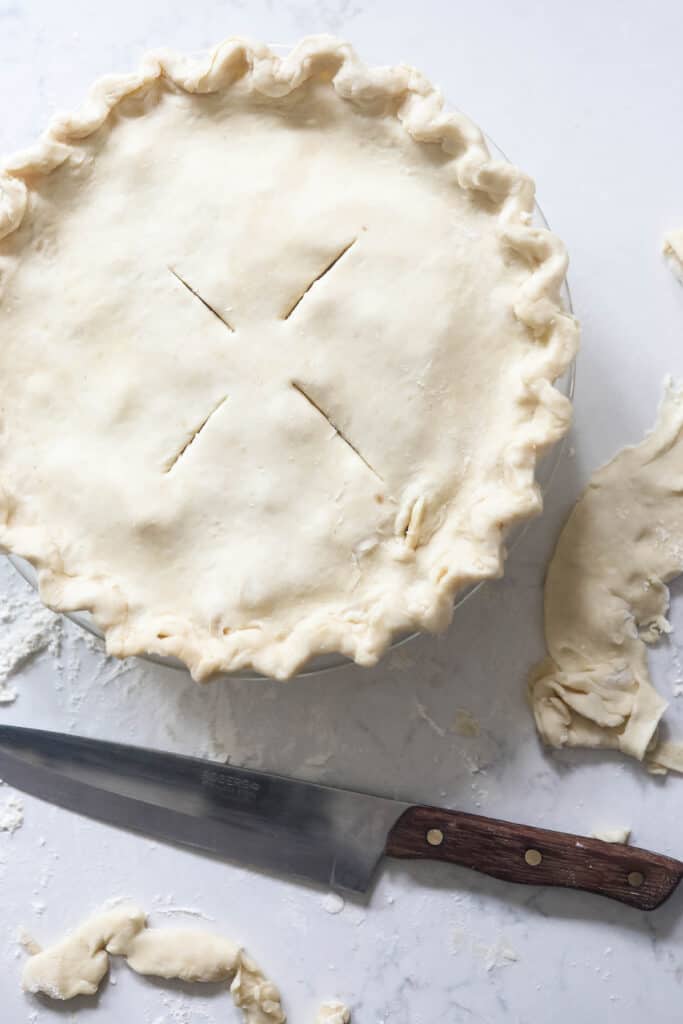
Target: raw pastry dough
<point>76,965</point>
<point>673,250</point>
<point>606,598</point>
<point>255,315</point>
<point>333,1013</point>
<point>612,835</point>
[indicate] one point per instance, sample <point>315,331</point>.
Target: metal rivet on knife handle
<point>635,879</point>
<point>533,858</point>
<point>435,837</point>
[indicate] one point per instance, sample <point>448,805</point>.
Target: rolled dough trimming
<point>77,964</point>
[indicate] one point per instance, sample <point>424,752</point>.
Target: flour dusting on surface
<point>184,912</point>
<point>493,955</point>
<point>11,814</point>
<point>426,717</point>
<point>497,955</point>
<point>27,628</point>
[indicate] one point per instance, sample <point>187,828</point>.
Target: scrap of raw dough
<point>606,598</point>
<point>667,756</point>
<point>333,1013</point>
<point>673,250</point>
<point>612,835</point>
<point>333,903</point>
<point>76,965</point>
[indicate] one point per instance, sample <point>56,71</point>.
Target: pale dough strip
<point>77,964</point>
<point>606,598</point>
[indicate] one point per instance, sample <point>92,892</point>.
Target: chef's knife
<point>332,836</point>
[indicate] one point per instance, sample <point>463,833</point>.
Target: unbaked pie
<point>278,344</point>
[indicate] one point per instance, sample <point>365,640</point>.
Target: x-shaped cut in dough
<point>296,385</point>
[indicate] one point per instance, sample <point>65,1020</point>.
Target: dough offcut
<point>606,598</point>
<point>77,964</point>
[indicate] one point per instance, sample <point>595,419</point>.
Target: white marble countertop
<point>585,97</point>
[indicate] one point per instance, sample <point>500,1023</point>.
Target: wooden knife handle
<point>535,856</point>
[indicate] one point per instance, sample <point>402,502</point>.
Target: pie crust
<point>279,343</point>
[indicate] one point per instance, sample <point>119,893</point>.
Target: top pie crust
<point>278,344</point>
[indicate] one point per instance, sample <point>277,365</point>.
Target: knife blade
<point>332,836</point>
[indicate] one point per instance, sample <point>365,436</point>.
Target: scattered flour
<point>318,760</point>
<point>185,912</point>
<point>11,814</point>
<point>475,764</point>
<point>116,901</point>
<point>497,955</point>
<point>493,955</point>
<point>27,628</point>
<point>426,717</point>
<point>458,939</point>
<point>356,916</point>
